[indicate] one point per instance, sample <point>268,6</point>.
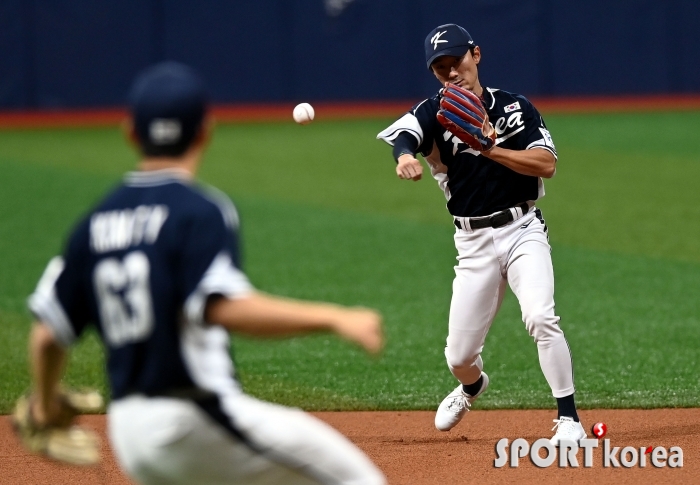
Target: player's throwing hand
<point>362,326</point>
<point>409,168</point>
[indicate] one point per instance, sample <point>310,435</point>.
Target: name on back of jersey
<point>120,229</point>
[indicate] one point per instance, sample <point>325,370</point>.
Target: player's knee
<point>463,359</point>
<point>542,326</point>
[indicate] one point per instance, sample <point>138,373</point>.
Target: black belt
<point>499,219</point>
<point>189,393</point>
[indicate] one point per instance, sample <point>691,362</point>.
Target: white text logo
<point>513,120</point>
<point>119,229</point>
<point>567,455</point>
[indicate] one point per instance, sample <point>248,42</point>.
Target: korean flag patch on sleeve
<point>512,107</point>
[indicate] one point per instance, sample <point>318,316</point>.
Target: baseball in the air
<point>599,430</point>
<point>303,113</point>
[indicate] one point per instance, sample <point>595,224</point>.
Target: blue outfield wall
<point>84,53</point>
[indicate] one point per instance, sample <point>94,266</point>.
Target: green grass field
<point>325,218</point>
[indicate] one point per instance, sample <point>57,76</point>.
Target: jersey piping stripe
<point>538,214</point>
<point>156,177</point>
<point>408,123</point>
<point>223,278</point>
<point>224,417</point>
<point>570,358</point>
<point>493,98</point>
<point>221,200</point>
<point>205,348</point>
<point>212,408</point>
<point>390,137</point>
<point>413,111</point>
<point>541,144</point>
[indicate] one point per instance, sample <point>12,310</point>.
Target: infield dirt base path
<point>410,451</point>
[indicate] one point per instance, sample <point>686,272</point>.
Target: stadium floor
<point>409,450</point>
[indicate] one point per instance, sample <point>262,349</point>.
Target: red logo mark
<point>648,450</point>
<point>599,430</point>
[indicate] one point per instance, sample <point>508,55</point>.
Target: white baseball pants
<point>172,441</point>
<point>519,254</point>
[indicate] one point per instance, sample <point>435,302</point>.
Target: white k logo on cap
<point>435,40</point>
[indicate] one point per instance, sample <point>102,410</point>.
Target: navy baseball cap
<point>447,40</point>
<point>168,102</point>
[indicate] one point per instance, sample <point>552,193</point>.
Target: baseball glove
<point>462,114</point>
<point>61,440</point>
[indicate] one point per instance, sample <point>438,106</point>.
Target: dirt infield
<point>410,451</point>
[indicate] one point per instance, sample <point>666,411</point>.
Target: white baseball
<point>303,113</point>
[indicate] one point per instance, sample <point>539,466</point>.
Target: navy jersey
<point>140,267</point>
<point>474,184</point>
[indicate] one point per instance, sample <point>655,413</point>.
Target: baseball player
<point>155,267</point>
<point>489,151</point>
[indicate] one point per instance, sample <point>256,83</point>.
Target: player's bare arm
<point>537,162</point>
<point>264,315</point>
<point>47,360</point>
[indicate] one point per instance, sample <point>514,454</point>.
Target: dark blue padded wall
<point>85,53</point>
<point>80,53</point>
<point>15,56</point>
<point>508,32</point>
<point>240,46</point>
<point>599,54</point>
<point>684,48</point>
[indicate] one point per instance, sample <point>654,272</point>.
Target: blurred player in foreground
<point>489,150</point>
<point>155,266</point>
